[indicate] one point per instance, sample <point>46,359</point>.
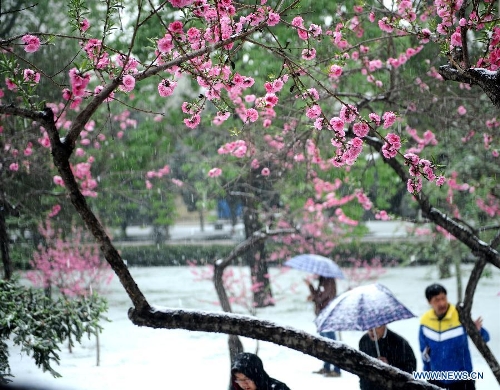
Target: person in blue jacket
<point>444,343</point>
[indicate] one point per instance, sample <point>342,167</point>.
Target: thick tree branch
<point>487,80</point>
<point>340,354</point>
<point>464,311</point>
<point>61,152</point>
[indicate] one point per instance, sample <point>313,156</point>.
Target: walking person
<point>322,296</point>
<point>388,347</point>
<point>247,373</point>
<point>443,340</point>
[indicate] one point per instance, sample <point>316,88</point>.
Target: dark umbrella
<point>362,308</point>
<point>316,264</point>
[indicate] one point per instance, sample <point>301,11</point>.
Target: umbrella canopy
<point>362,308</point>
<point>316,264</point>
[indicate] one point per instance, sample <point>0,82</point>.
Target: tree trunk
<point>256,259</point>
<point>97,349</point>
<point>4,245</point>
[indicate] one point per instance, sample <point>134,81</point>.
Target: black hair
<point>250,365</point>
<point>433,290</point>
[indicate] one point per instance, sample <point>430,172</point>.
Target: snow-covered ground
<point>139,358</point>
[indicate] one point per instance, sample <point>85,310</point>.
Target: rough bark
<point>487,80</point>
<point>4,245</point>
<point>464,311</point>
<point>347,358</point>
<point>235,344</point>
<point>255,255</point>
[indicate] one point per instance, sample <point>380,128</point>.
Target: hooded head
<point>250,366</point>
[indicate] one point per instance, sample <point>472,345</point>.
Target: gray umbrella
<point>362,308</point>
<point>316,264</point>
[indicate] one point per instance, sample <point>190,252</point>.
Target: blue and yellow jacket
<point>444,343</point>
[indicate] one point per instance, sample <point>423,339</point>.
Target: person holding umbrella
<point>322,296</point>
<point>363,308</point>
<point>327,271</point>
<point>388,347</point>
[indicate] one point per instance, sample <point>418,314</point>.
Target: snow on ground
<point>134,357</point>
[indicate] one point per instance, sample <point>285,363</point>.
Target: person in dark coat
<point>393,349</point>
<point>322,296</point>
<point>247,373</point>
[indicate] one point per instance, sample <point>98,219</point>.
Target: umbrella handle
<point>376,342</point>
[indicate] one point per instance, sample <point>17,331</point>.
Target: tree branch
<point>487,80</point>
<point>340,354</point>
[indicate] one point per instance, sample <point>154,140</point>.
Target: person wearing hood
<point>247,373</point>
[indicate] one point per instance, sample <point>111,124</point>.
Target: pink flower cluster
<point>419,168</point>
<point>236,148</point>
<point>391,146</point>
<point>214,172</point>
<point>71,264</point>
<point>31,42</point>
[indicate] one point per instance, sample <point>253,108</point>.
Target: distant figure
<point>443,339</point>
<point>247,373</point>
<point>322,296</point>
<point>392,349</point>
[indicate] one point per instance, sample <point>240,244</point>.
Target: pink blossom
<point>319,123</point>
<point>28,151</point>
<point>221,117</point>
<point>348,113</point>
<point>128,83</point>
<point>66,94</point>
<point>55,210</point>
<point>254,164</point>
<point>391,147</point>
<point>166,87</point>
<point>32,43</point>
<point>461,110</point>
<point>309,54</point>
<point>313,111</point>
<point>456,38</point>
<point>165,44</point>
<point>298,21</point>
<point>361,129</point>
<point>79,152</point>
<point>149,185</point>
<point>98,90</point>
<point>414,185</point>
<point>176,27</point>
<point>271,99</point>
<point>337,124</point>
<point>273,19</point>
<point>265,172</point>
<point>384,26</point>
<point>58,181</point>
<point>252,114</point>
<point>382,215</point>
<point>84,25</point>
<point>335,71</point>
<point>389,118</point>
<point>193,121</point>
<point>78,82</point>
<point>31,76</point>
<point>14,167</point>
<point>214,172</point>
<point>11,85</point>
